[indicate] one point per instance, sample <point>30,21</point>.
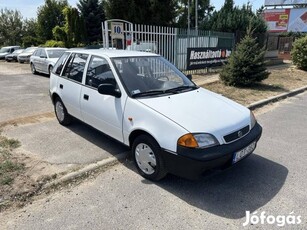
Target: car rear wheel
<point>147,158</point>
<point>61,112</point>
<point>50,69</point>
<point>33,68</point>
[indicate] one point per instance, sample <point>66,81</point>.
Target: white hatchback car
<point>143,101</point>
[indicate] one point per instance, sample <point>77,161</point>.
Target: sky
<point>28,8</point>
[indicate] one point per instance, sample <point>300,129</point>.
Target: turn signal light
<point>187,140</point>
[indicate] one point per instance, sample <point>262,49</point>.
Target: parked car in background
<point>7,50</point>
<point>43,59</point>
<point>26,54</point>
<point>141,100</point>
<point>13,56</point>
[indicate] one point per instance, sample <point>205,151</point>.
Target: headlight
<point>199,140</point>
<point>253,119</point>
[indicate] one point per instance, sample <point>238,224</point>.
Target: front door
<point>103,112</point>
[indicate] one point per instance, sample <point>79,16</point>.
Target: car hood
<point>201,111</point>
<point>52,60</point>
<point>25,54</point>
<point>3,54</point>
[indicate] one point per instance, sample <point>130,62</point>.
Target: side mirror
<point>189,76</point>
<point>109,89</point>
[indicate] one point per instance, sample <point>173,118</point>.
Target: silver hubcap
<point>59,110</point>
<point>145,158</point>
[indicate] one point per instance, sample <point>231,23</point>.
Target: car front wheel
<point>61,112</point>
<point>147,158</point>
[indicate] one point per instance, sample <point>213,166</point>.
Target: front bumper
<point>191,163</point>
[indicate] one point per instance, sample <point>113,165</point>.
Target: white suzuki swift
<point>143,101</point>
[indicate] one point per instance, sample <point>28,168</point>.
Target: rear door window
<point>74,67</point>
<point>60,64</point>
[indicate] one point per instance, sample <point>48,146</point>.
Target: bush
<point>245,65</point>
<point>53,43</point>
<point>299,53</point>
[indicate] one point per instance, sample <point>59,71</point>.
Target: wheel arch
<point>136,133</point>
<point>54,96</point>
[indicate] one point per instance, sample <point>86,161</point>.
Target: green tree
<point>92,12</point>
<point>299,52</point>
<point>49,16</point>
<point>29,33</point>
<point>10,27</point>
<point>73,31</point>
<point>246,64</point>
<point>149,12</point>
<point>233,19</point>
<point>204,12</point>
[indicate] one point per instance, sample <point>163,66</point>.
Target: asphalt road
<point>272,180</point>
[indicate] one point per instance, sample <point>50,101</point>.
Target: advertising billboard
<point>298,20</point>
<point>277,19</point>
<point>200,58</point>
<point>283,2</point>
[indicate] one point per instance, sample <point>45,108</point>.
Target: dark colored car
<point>13,56</point>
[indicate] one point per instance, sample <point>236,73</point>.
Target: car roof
<point>10,46</point>
<point>113,53</point>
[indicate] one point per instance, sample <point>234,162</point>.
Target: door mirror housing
<point>189,76</point>
<point>109,89</point>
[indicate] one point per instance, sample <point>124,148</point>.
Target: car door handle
<point>86,97</point>
<point>61,86</point>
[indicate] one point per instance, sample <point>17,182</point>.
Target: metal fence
<point>169,42</point>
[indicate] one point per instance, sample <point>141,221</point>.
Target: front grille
<point>236,134</point>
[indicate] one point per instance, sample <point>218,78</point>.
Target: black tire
<point>61,113</point>
<point>33,70</point>
<point>50,70</point>
<point>154,170</point>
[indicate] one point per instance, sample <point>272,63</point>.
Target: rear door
<point>70,83</point>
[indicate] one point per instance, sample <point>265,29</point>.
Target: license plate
<point>244,152</point>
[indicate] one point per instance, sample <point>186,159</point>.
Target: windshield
<point>4,50</point>
<point>30,50</point>
<point>151,76</point>
<point>55,53</point>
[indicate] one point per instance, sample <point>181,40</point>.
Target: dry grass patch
<point>281,80</point>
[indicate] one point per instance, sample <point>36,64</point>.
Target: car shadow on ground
<point>97,138</point>
<point>247,186</point>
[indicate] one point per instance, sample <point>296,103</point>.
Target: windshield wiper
<point>149,93</point>
<point>168,91</point>
<point>180,88</point>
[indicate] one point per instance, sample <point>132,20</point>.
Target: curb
<point>264,102</point>
<point>115,160</point>
<point>89,168</point>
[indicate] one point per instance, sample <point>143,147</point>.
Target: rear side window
<point>74,67</point>
<point>99,72</point>
<point>60,63</point>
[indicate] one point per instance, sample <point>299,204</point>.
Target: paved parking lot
<point>27,112</point>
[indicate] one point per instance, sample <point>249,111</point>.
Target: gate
<point>169,42</point>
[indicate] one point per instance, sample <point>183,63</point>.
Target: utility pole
<point>196,16</point>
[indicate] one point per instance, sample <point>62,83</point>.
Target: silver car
<point>43,59</point>
<point>26,54</point>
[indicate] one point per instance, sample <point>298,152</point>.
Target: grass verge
<point>281,80</point>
